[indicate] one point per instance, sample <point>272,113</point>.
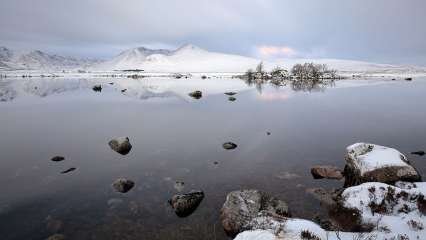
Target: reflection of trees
<point>309,85</point>
<point>305,85</point>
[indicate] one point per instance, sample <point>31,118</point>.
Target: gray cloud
<point>381,30</point>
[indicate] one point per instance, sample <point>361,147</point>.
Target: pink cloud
<point>276,51</point>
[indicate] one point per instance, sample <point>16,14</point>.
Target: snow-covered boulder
<point>367,162</point>
<point>389,210</point>
<point>290,229</point>
<point>251,209</point>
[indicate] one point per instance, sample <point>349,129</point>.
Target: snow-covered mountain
<point>38,60</point>
<point>190,58</point>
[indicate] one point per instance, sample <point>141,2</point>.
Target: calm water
<point>176,138</point>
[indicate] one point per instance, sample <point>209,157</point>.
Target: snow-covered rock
<point>367,162</point>
<point>390,210</point>
<point>251,209</point>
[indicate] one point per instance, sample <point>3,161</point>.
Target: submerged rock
<point>420,153</point>
<point>250,209</point>
<point>229,145</point>
<point>232,99</point>
<point>56,237</point>
<point>69,170</point>
<point>373,163</point>
<point>121,145</point>
<point>196,94</point>
<point>97,88</point>
<point>123,185</point>
<point>230,93</point>
<point>185,204</point>
<point>57,158</point>
<point>268,133</point>
<point>329,172</point>
<point>179,186</point>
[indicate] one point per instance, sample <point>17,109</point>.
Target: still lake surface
<point>177,138</point>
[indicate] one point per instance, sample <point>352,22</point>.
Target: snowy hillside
<point>190,58</point>
<point>38,60</point>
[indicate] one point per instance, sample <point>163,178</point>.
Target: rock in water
<point>241,208</point>
<point>373,163</point>
<point>97,88</point>
<point>232,99</point>
<point>121,145</point>
<point>123,185</point>
<point>56,237</point>
<point>328,172</point>
<point>69,170</point>
<point>420,153</point>
<point>229,145</point>
<point>196,94</point>
<point>57,158</point>
<point>230,93</point>
<point>185,204</point>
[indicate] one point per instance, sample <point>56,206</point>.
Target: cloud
<point>276,51</point>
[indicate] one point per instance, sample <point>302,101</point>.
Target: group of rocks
<point>198,94</point>
<point>249,210</point>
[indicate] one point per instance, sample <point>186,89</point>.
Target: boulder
<point>121,145</point>
<point>196,94</point>
<point>420,153</point>
<point>57,158</point>
<point>69,170</point>
<point>229,145</point>
<point>123,185</point>
<point>185,204</point>
<point>367,162</point>
<point>249,209</point>
<point>329,172</point>
<point>232,99</point>
<point>97,88</point>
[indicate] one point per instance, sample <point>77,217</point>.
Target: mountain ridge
<point>187,58</point>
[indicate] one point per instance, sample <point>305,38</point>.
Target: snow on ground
<point>391,210</point>
<point>368,157</point>
<point>187,59</point>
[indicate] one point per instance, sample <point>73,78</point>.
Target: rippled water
<point>177,138</point>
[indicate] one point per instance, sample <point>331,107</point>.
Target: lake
<point>178,138</point>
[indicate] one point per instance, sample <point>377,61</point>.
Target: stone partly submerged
<point>123,185</point>
<point>121,145</point>
<point>250,210</point>
<point>229,146</point>
<point>97,88</point>
<point>230,93</point>
<point>232,99</point>
<point>57,158</point>
<point>196,94</point>
<point>69,170</point>
<point>373,163</point>
<point>329,172</point>
<point>185,204</point>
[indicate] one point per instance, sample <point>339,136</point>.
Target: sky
<point>386,31</point>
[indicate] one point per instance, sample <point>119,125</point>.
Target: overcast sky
<point>389,31</point>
